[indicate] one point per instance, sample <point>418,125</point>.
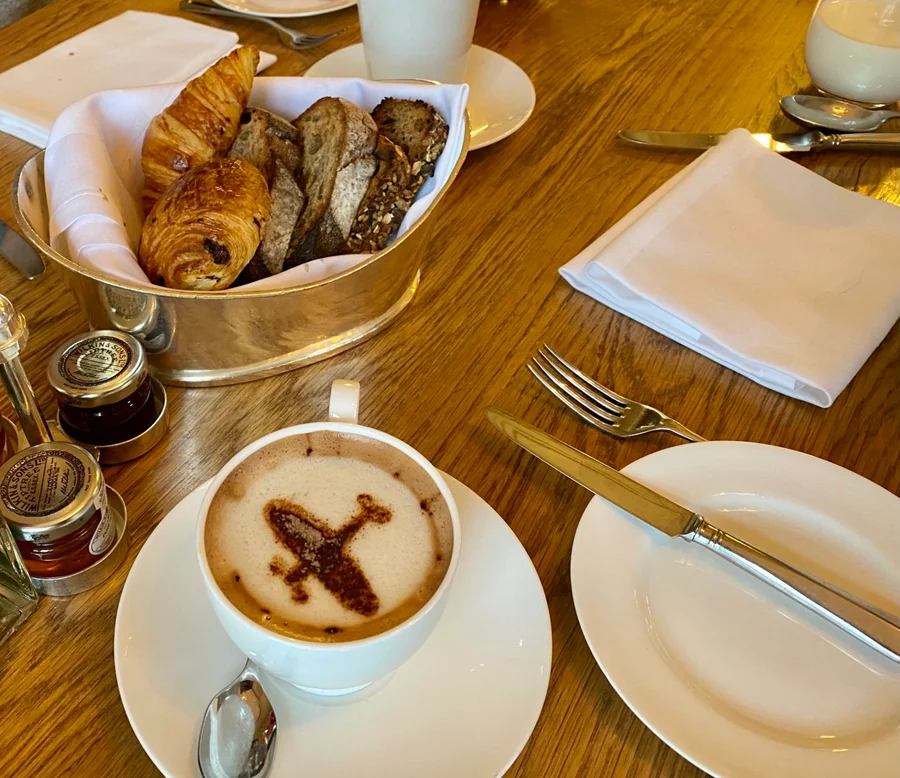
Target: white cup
<point>329,668</point>
<point>427,39</point>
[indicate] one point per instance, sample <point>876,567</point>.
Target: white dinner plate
<point>464,705</point>
<point>731,674</point>
<point>284,9</point>
<point>501,96</point>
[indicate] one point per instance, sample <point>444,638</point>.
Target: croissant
<point>199,125</point>
<point>207,226</point>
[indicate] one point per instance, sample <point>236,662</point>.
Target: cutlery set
<point>605,409</point>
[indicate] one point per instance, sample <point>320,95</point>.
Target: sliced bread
<point>386,201</point>
<point>337,140</point>
<point>417,128</point>
<point>270,144</point>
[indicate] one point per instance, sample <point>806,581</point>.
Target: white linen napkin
<point>130,50</point>
<point>758,264</point>
<point>93,167</point>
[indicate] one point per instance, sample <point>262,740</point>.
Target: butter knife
<point>783,143</point>
<point>19,254</point>
<point>870,625</point>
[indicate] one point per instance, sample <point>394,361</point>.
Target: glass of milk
<point>427,39</point>
<point>853,49</point>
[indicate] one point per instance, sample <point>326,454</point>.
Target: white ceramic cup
<point>425,39</point>
<point>329,668</point>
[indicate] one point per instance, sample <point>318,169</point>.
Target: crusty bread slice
<point>417,128</point>
<point>270,144</point>
<point>386,202</point>
<point>337,140</point>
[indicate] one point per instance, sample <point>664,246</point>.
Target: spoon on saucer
<point>832,113</point>
<point>237,737</point>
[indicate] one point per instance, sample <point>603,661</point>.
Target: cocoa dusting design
<point>323,552</point>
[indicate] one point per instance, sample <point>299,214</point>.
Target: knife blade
<point>631,496</point>
<point>870,625</point>
<point>781,143</point>
<point>18,253</point>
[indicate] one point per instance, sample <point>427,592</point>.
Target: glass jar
<point>54,499</point>
<point>102,386</point>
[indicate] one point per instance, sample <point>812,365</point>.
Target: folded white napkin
<point>757,263</point>
<point>93,167</point>
<point>129,50</point>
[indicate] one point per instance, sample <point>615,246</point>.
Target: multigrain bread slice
<point>270,144</point>
<point>338,143</point>
<point>417,128</point>
<point>385,203</point>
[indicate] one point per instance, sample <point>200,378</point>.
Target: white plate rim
<point>325,6</point>
<point>623,683</point>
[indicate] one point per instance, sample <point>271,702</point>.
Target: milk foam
<point>399,558</point>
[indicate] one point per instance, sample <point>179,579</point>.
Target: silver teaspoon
<point>237,737</point>
<point>832,113</point>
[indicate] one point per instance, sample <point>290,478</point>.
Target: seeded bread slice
<point>269,143</point>
<point>417,128</point>
<point>386,202</point>
<point>337,164</point>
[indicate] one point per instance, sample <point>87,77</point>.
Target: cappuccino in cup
<point>328,536</point>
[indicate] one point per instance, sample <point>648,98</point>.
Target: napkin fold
<point>130,50</point>
<point>758,264</point>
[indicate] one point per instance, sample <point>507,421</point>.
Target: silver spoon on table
<point>832,113</point>
<point>237,736</point>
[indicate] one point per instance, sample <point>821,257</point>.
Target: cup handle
<point>344,404</point>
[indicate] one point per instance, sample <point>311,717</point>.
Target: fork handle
<point>875,628</point>
<point>671,425</point>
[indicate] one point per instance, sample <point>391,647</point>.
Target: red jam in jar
<point>53,498</point>
<point>103,389</point>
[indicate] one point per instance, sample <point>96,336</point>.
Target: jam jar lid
<point>97,368</point>
<point>49,490</point>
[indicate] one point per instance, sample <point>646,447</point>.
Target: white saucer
<point>501,96</point>
<point>285,9</point>
<point>464,705</point>
<point>734,676</point>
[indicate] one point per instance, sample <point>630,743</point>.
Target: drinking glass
<point>427,39</point>
<point>853,49</point>
<point>17,595</point>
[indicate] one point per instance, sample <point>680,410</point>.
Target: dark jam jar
<point>103,388</point>
<point>53,498</point>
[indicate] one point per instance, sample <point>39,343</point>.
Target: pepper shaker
<point>13,336</point>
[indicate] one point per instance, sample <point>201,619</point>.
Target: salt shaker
<point>13,336</point>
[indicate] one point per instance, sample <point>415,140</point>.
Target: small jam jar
<point>53,498</point>
<point>103,388</point>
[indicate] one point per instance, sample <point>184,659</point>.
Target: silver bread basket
<point>228,337</point>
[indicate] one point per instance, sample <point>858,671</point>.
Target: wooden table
<point>490,296</point>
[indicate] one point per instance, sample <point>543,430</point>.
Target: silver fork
<point>599,405</point>
<point>290,38</point>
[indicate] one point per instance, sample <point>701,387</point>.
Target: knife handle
<point>883,141</point>
<point>863,621</point>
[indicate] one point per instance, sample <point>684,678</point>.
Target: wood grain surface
<point>490,296</point>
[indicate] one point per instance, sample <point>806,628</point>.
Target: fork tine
<point>604,390</point>
<point>561,390</point>
<point>572,382</point>
<point>594,421</point>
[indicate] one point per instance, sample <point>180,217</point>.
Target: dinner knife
<point>782,143</point>
<point>870,625</point>
<point>20,255</point>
